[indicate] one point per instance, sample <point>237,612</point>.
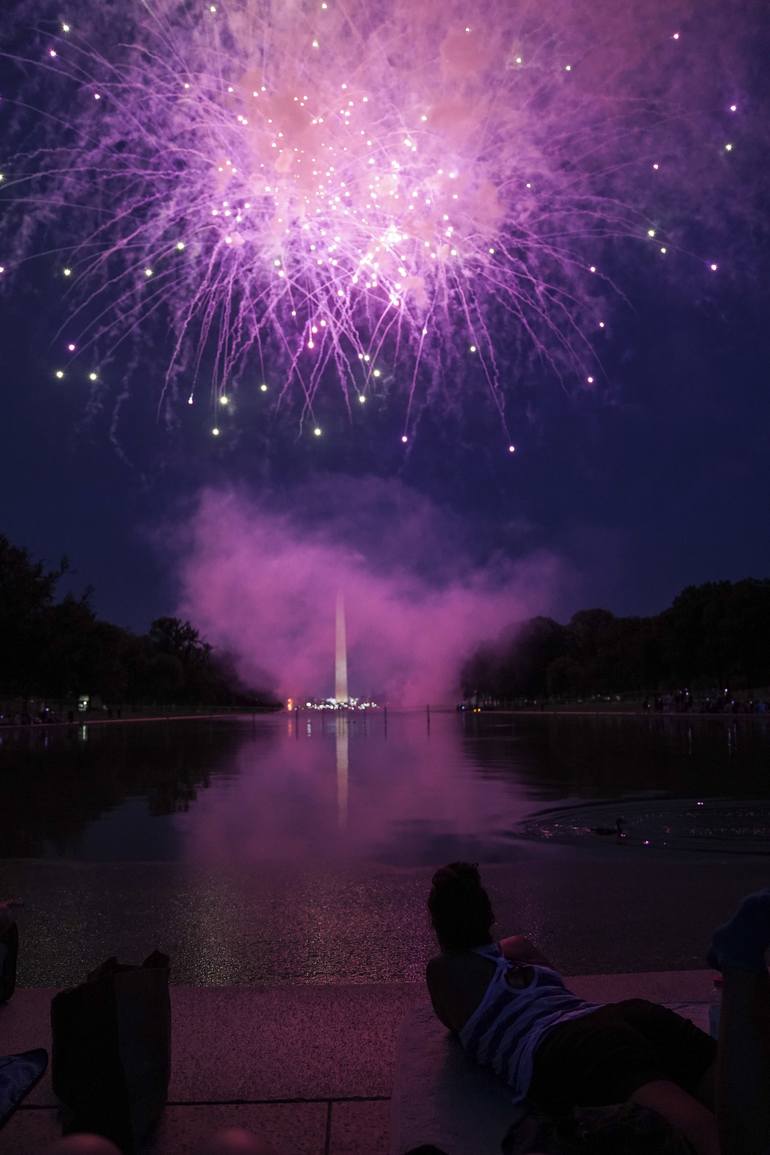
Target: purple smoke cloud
<point>263,586</point>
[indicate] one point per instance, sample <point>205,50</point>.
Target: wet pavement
<point>601,909</point>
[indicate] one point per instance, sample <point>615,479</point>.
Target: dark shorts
<point>605,1056</point>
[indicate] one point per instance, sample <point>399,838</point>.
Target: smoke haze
<point>262,584</point>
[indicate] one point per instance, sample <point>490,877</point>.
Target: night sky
<point>659,479</point>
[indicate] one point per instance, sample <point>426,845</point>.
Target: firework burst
<point>368,200</point>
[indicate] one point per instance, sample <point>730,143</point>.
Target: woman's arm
<point>519,949</point>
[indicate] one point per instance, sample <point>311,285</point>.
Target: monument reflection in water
<point>343,785</point>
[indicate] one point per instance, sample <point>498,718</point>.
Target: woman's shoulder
<point>453,969</point>
<point>456,983</point>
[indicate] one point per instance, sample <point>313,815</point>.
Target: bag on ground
<point>111,1050</point>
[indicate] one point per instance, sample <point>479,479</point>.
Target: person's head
<point>622,1129</point>
<point>460,909</point>
<point>83,1145</point>
<point>235,1141</point>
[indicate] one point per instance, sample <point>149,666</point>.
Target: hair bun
<point>463,874</point>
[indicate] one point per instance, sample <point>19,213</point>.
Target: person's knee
<point>235,1141</point>
<point>683,1111</point>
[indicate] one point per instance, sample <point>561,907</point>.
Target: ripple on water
<point>715,824</point>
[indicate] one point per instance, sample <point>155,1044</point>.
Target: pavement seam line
<point>328,1135</point>
<point>237,1102</point>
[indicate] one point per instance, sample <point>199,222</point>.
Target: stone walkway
<point>310,1067</point>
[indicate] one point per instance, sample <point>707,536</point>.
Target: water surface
<point>300,849</point>
<point>404,789</point>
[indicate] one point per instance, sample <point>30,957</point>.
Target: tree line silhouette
<point>714,636</point>
<point>57,649</point>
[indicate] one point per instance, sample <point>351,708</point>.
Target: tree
<point>26,593</point>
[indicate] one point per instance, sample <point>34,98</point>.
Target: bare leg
<point>706,1092</point>
<point>743,1064</point>
<point>743,1061</point>
<point>695,1122</point>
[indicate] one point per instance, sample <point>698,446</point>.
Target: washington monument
<point>341,655</point>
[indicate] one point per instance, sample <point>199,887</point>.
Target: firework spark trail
<point>382,199</point>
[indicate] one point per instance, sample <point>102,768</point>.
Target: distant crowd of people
<point>725,702</point>
<point>46,716</point>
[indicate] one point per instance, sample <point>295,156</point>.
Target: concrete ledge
<point>264,1056</point>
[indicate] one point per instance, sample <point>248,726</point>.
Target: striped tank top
<point>509,1022</point>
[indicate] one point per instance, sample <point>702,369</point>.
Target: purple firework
<point>391,199</point>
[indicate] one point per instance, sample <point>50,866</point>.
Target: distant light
<point>651,232</point>
<point>728,148</point>
<point>404,438</point>
<point>190,399</point>
<point>59,374</point>
<point>316,432</point>
<point>67,272</point>
<point>361,399</point>
<point>592,268</point>
<point>733,108</point>
<point>663,249</point>
<point>71,348</point>
<point>656,166</point>
<point>315,44</point>
<point>590,380</point>
<point>180,246</point>
<point>215,432</point>
<point>263,388</point>
<point>675,36</point>
<point>148,272</point>
<point>601,324</point>
<point>223,400</point>
<point>65,28</point>
<point>212,8</point>
<point>473,348</point>
<point>2,269</point>
<point>376,373</point>
<point>713,266</point>
<point>511,448</point>
<point>51,51</point>
<point>567,67</point>
<point>97,96</point>
<point>93,376</point>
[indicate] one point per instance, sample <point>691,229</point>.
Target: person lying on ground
<point>511,1012</point>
